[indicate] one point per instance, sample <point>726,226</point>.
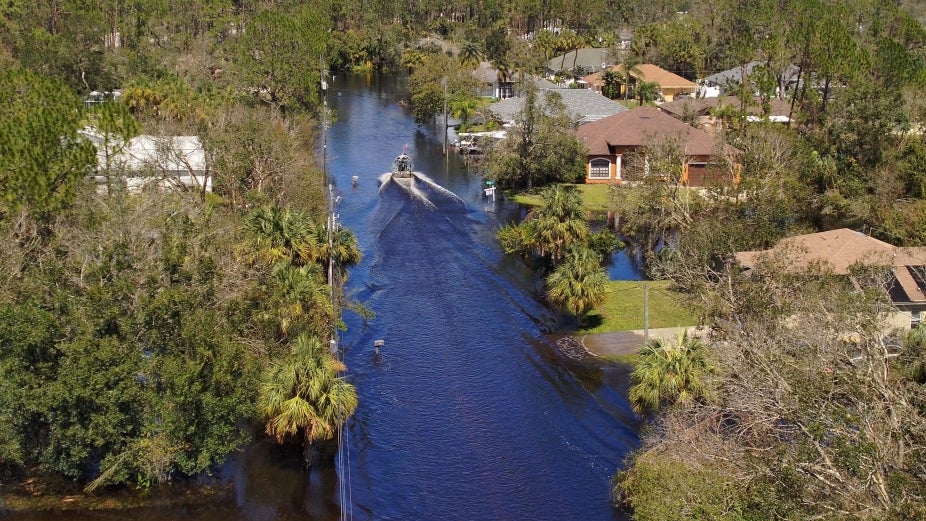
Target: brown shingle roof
<point>703,106</point>
<point>665,79</point>
<point>638,127</point>
<point>648,72</point>
<point>838,250</point>
<point>593,80</point>
<point>908,284</point>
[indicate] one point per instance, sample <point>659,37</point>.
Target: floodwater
<point>470,411</point>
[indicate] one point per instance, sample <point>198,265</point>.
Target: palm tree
<point>470,54</point>
<point>578,284</point>
<point>345,252</point>
<point>607,39</point>
<point>611,80</point>
<point>545,41</point>
<point>503,76</point>
<point>553,238</point>
<point>561,202</point>
<point>583,40</point>
<point>669,373</point>
<point>568,42</point>
<point>558,224</point>
<point>503,70</point>
<point>302,395</point>
<point>516,239</point>
<point>550,230</point>
<point>630,67</point>
<point>284,235</point>
<point>297,300</point>
<point>646,91</point>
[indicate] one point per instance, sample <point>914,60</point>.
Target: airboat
<point>402,169</point>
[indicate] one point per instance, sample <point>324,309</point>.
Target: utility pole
<point>332,225</point>
<point>332,217</point>
<point>332,229</point>
<point>324,73</point>
<point>443,82</point>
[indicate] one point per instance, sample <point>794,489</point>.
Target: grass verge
<point>595,198</point>
<point>623,309</point>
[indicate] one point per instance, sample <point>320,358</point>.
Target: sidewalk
<point>628,342</point>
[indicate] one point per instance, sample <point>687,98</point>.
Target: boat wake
<point>423,189</point>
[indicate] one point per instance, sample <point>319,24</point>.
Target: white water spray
<point>411,186</point>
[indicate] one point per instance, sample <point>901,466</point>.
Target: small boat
<point>402,167</point>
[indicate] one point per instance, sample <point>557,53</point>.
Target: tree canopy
<point>42,159</point>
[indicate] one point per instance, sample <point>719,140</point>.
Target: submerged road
<point>469,411</point>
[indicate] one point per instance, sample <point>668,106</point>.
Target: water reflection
<point>626,264</point>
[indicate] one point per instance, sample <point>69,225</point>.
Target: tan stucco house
<point>670,84</point>
<point>837,251</point>
<point>610,140</point>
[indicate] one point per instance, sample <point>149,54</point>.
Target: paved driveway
<point>628,342</point>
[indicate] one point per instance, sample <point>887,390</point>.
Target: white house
<point>171,162</point>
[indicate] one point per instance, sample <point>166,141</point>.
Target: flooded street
<point>470,411</point>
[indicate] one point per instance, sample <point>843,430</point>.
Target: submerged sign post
<point>490,190</point>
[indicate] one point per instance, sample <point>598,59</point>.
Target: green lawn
<point>527,198</point>
<point>595,198</point>
<point>623,309</point>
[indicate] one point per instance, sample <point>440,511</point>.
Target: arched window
<point>599,168</point>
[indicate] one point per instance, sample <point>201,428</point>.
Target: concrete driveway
<point>628,342</point>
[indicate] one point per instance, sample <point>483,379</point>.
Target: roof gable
<point>838,250</point>
<point>638,127</point>
<point>647,72</point>
<point>655,74</point>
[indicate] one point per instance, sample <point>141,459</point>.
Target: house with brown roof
<point>670,84</point>
<point>611,140</point>
<point>703,109</point>
<point>836,252</point>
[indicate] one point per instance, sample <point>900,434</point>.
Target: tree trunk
<point>307,452</point>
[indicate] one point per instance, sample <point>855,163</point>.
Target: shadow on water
<point>471,410</point>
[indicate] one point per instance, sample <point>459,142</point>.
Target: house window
<point>505,90</point>
<point>599,168</point>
